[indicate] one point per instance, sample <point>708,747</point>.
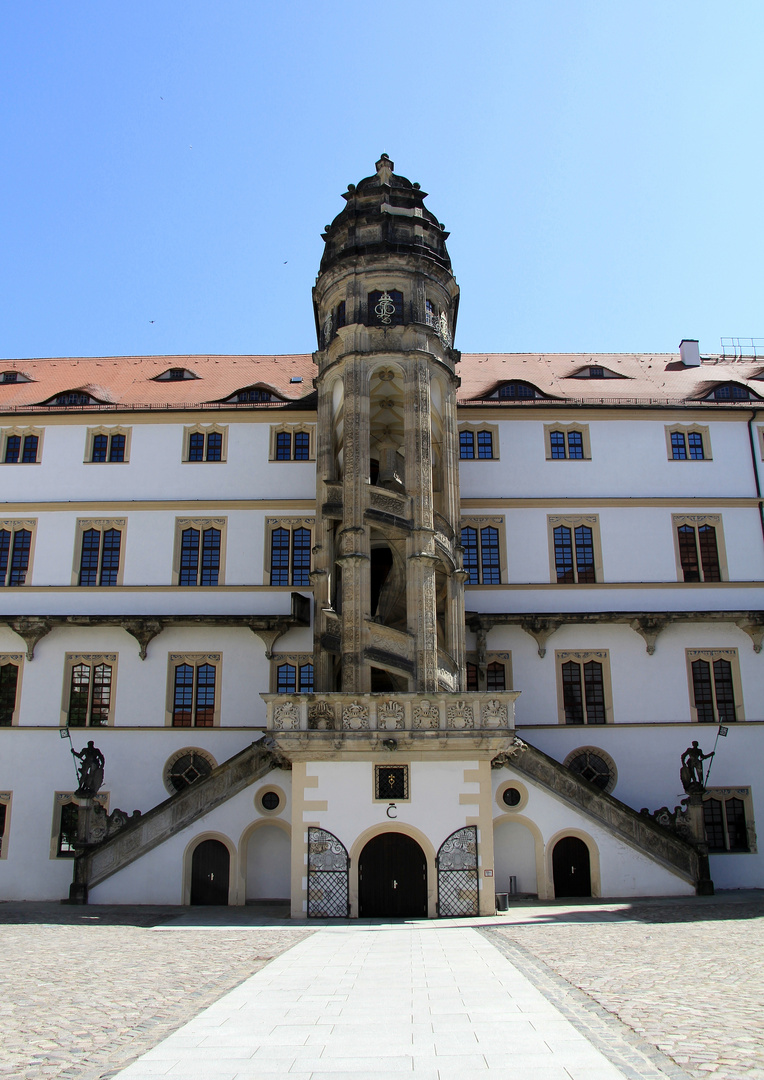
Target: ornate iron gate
<point>328,865</point>
<point>458,873</point>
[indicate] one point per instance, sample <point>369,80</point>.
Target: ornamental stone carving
<point>355,717</point>
<point>426,715</point>
<point>460,715</point>
<point>321,717</point>
<point>494,714</point>
<point>390,716</point>
<point>286,717</point>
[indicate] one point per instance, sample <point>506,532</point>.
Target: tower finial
<point>385,169</point>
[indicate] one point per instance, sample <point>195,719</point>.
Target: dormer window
<point>731,392</point>
<point>175,374</point>
<point>74,397</point>
<point>517,391</point>
<point>13,377</point>
<point>251,395</point>
<point>596,371</point>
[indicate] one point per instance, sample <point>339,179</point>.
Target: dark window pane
<point>595,693</point>
<point>678,447</point>
<point>280,557</point>
<point>737,833</point>
<point>306,678</point>
<point>22,541</point>
<point>91,548</point>
<point>584,555</point>
<point>112,540</point>
<point>183,696</point>
<point>557,443</point>
<point>99,709</point>
<point>301,557</point>
<point>495,676</point>
<point>196,447</point>
<point>485,444</point>
<point>67,832</point>
<point>516,390</point>
<point>702,691</point>
<point>572,699</point>
<point>688,553</point>
<point>12,448</point>
<point>9,676</point>
<point>725,695</point>
<point>712,818</point>
<point>205,695</point>
<point>29,456</point>
<point>283,446</point>
<point>100,446</point>
<point>117,448</point>
<point>469,543</point>
<point>286,679</point>
<point>466,444</point>
<point>340,320</point>
<point>210,557</point>
<point>489,550</point>
<point>575,445</point>
<point>79,694</point>
<point>563,555</point>
<point>695,443</point>
<point>5,547</point>
<point>301,446</point>
<point>472,676</point>
<point>709,555</point>
<point>214,446</point>
<point>189,557</point>
<point>10,376</point>
<point>3,808</point>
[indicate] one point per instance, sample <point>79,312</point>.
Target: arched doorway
<point>210,868</point>
<point>392,878</point>
<point>570,868</point>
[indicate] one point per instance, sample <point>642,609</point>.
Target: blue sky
<point>168,167</point>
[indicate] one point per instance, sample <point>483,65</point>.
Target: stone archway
<point>210,873</point>
<point>392,878</point>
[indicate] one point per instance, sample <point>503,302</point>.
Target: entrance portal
<point>570,867</point>
<point>210,866</point>
<point>392,878</point>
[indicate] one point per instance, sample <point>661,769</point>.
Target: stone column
<point>353,537</point>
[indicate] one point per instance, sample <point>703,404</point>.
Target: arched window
<point>518,391</point>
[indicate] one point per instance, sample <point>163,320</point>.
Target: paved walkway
<point>382,1001</point>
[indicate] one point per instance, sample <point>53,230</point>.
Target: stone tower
<point>388,578</point>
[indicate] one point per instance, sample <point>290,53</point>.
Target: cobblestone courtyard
<point>87,990</point>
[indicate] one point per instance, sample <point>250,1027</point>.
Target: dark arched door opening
<point>570,867</point>
<point>210,866</point>
<point>392,878</point>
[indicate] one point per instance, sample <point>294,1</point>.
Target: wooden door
<point>210,866</point>
<point>570,866</point>
<point>392,878</point>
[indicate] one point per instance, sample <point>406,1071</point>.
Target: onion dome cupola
<point>385,265</point>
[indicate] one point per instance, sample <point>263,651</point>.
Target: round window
<point>595,767</point>
<point>188,767</point>
<point>511,796</point>
<point>270,801</point>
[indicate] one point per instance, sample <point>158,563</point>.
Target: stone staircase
<point>176,813</point>
<point>640,832</point>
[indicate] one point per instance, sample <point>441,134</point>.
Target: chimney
<point>689,352</point>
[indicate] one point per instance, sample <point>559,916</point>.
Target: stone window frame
<point>689,429</point>
<point>377,767</point>
<point>475,428</point>
<point>572,522</point>
<point>497,521</point>
<point>6,800</point>
<point>101,525</point>
<point>200,524</point>
<point>277,810</point>
<point>290,523</point>
<point>504,786</point>
<point>15,525</point>
<point>292,429</point>
<point>108,432</point>
<point>297,660</point>
<point>566,429</point>
<point>17,659</point>
<point>581,657</point>
<point>730,654</point>
<point>608,760</point>
<point>696,520</point>
<point>745,794</point>
<point>169,786</point>
<point>71,660</point>
<point>22,432</point>
<point>205,430</point>
<point>502,656</point>
<point>195,660</point>
<point>60,800</point>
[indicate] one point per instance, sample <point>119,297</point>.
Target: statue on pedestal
<point>691,773</point>
<point>90,770</point>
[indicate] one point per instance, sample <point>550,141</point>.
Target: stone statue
<point>90,770</point>
<point>691,773</point>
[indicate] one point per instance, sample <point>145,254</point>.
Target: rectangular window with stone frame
<point>5,821</point>
<point>21,446</point>
<point>205,443</point>
<point>699,547</point>
<point>498,674</point>
<point>688,442</point>
<point>89,690</point>
<point>10,688</point>
<point>574,549</point>
<point>108,445</point>
<point>200,546</point>
<point>99,552</point>
<point>478,442</point>
<point>728,818</point>
<point>716,694</point>
<point>483,550</point>
<point>293,442</point>
<point>193,690</point>
<point>288,547</point>
<point>584,692</point>
<point>567,442</point>
<point>16,550</point>
<point>292,673</point>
